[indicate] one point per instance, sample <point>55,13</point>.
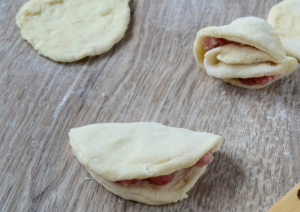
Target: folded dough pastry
<point>145,162</point>
<point>247,53</point>
<point>285,18</point>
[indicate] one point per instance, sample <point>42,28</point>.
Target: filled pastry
<point>246,53</point>
<point>145,162</point>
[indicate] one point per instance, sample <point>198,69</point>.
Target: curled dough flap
<point>246,53</point>
<point>223,70</point>
<point>233,54</point>
<point>249,31</point>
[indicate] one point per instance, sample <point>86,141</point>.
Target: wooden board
<point>289,202</point>
<point>150,75</point>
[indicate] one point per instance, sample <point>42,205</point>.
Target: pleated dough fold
<point>247,50</point>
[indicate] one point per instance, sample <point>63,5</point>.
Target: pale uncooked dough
<point>113,152</point>
<point>285,18</point>
<point>261,52</point>
<point>69,30</point>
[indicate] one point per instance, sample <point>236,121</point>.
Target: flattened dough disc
<point>285,18</point>
<point>69,30</point>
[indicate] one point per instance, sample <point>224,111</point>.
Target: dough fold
<point>114,152</point>
<point>249,48</point>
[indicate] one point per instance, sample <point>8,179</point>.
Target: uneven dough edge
<point>289,66</point>
<point>155,195</point>
<point>222,70</point>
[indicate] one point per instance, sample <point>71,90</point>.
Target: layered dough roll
<point>145,162</point>
<point>246,53</point>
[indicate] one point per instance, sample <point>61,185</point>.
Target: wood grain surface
<point>151,75</point>
<point>290,202</point>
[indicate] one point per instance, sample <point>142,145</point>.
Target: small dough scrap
<point>248,48</point>
<point>114,152</point>
<point>69,30</point>
<point>285,19</point>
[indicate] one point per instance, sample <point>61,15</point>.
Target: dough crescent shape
<point>116,151</point>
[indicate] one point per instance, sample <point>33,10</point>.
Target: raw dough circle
<point>285,18</point>
<point>69,30</point>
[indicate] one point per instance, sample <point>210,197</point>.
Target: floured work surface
<point>150,75</point>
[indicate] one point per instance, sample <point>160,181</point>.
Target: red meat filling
<point>162,180</point>
<point>211,43</point>
<point>258,80</point>
<point>165,179</point>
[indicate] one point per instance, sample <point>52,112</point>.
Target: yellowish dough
<point>285,19</point>
<point>251,50</point>
<point>69,30</point>
<point>114,152</point>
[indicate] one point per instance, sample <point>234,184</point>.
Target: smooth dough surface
<point>233,54</point>
<point>112,152</point>
<point>69,30</point>
<point>285,18</point>
<point>231,61</point>
<point>261,52</point>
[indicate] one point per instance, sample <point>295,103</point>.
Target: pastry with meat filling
<point>145,162</point>
<point>246,53</point>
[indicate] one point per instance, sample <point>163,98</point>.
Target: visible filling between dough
<point>258,80</point>
<point>165,179</point>
<point>211,43</point>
